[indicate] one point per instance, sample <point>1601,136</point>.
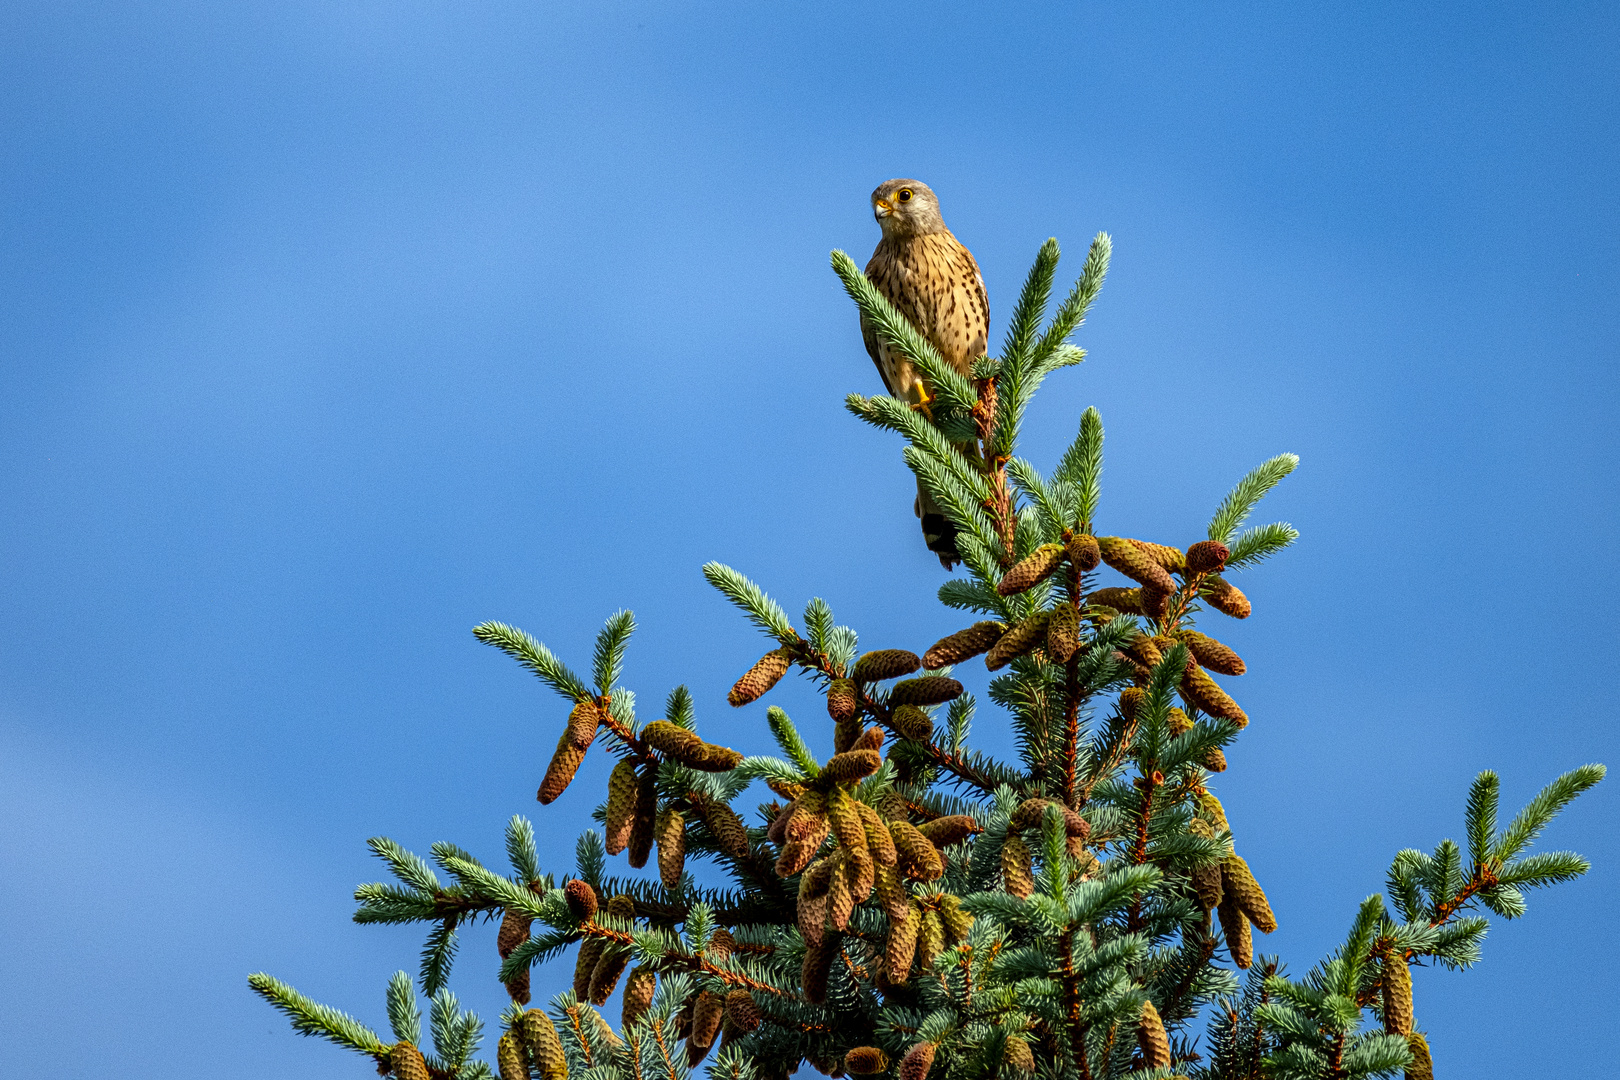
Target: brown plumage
<point>932,280</point>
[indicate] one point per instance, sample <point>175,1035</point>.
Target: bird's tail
<point>938,532</point>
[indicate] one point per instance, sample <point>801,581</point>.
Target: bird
<point>931,279</point>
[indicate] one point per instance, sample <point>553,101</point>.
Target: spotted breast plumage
<point>926,273</point>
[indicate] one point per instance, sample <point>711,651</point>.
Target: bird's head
<point>906,208</point>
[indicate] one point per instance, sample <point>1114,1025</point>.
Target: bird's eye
<point>905,194</point>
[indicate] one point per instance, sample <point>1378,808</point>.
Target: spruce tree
<point>913,907</point>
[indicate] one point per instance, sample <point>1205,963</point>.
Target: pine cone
<point>1063,633</point>
<point>1018,641</point>
<point>510,1058</point>
<point>1130,700</point>
<point>1397,987</point>
<point>885,664</point>
<point>1239,883</point>
<point>879,841</point>
<point>730,835</point>
<point>818,960</point>
<point>912,723</point>
<point>919,858</point>
<point>766,673</point>
<point>615,958</point>
<point>741,1011</point>
<point>1171,558</point>
<point>845,820</point>
<point>517,987</point>
<point>958,924</point>
<point>1124,601</point>
<point>862,870</point>
<point>1202,691</point>
<point>406,1062</point>
<point>930,939</point>
<point>1206,882</point>
<point>1031,570</point>
<point>1083,552</point>
<point>1239,942</point>
<point>1134,563</point>
<point>928,690</point>
<point>638,994</point>
<point>706,1017</point>
<point>1142,650</point>
<point>642,825</point>
<point>581,899</point>
<point>1214,811</point>
<point>677,743</point>
<point>545,1048</point>
<point>1422,1067</point>
<point>1017,1055</point>
<point>918,1060</point>
<point>560,773</point>
<point>1152,1039</point>
<point>721,946</point>
<point>866,1060</point>
<point>1212,654</point>
<point>871,739</point>
<point>948,830</point>
<point>846,733</point>
<point>796,854</point>
<point>1207,557</point>
<point>514,931</point>
<point>1155,602</point>
<point>843,700</point>
<point>590,951</point>
<point>671,834</point>
<point>621,806</point>
<point>840,897</point>
<point>892,896</point>
<point>849,767</point>
<point>582,724</point>
<point>1224,597</point>
<point>900,947</point>
<point>963,645</point>
<point>1017,868</point>
<point>1031,811</point>
<point>814,885</point>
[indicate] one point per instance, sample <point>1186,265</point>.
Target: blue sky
<point>328,331</point>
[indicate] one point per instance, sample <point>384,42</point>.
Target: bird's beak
<point>881,209</point>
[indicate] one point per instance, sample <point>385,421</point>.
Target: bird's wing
<point>874,346</point>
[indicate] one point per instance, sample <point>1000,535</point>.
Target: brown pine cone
<point>919,859</point>
<point>545,1048</point>
<point>871,739</point>
<point>866,1060</point>
<point>1397,991</point>
<point>1239,942</point>
<point>840,897</point>
<point>885,664</point>
<point>1202,691</point>
<point>741,1011</point>
<point>514,931</point>
<point>818,961</point>
<point>560,773</point>
<point>1017,868</point>
<point>730,835</point>
<point>878,838</point>
<point>1083,552</point>
<point>843,700</point>
<point>912,723</point>
<point>930,939</point>
<point>581,899</point>
<point>848,767</point>
<point>891,895</point>
<point>642,824</point>
<point>1171,558</point>
<point>928,690</point>
<point>683,746</point>
<point>638,995</point>
<point>958,924</point>
<point>1152,1039</point>
<point>845,820</point>
<point>582,724</point>
<point>1134,563</point>
<point>1155,602</point>
<point>766,673</point>
<point>952,829</point>
<point>615,958</point>
<point>706,1016</point>
<point>963,645</point>
<point>1212,654</point>
<point>621,806</point>
<point>1225,597</point>
<point>1017,1055</point>
<point>900,947</point>
<point>1207,557</point>
<point>671,835</point>
<point>1063,633</point>
<point>1238,881</point>
<point>1018,641</point>
<point>1031,570</point>
<point>1206,883</point>
<point>721,946</point>
<point>1124,601</point>
<point>511,1058</point>
<point>1422,1067</point>
<point>590,951</point>
<point>918,1060</point>
<point>407,1063</point>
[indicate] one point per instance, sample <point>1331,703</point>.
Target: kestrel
<point>928,275</point>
